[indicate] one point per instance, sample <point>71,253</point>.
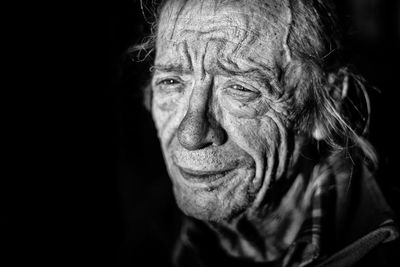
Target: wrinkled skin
<point>221,114</point>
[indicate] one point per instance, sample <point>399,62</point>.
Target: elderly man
<point>262,140</point>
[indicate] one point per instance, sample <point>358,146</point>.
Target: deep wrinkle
<point>187,55</point>
<point>241,19</point>
<point>256,69</point>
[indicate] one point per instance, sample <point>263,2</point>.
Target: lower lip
<point>203,177</point>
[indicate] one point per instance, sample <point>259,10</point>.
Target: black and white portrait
<point>255,132</point>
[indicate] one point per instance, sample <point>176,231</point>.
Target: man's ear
<point>147,97</point>
<point>337,91</point>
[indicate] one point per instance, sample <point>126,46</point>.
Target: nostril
<point>216,135</point>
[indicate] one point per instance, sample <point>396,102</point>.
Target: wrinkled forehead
<point>235,29</point>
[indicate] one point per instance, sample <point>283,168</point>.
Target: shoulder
<point>386,254</point>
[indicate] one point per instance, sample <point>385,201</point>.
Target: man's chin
<point>217,205</point>
<point>209,210</point>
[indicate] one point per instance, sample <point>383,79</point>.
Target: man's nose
<point>199,128</point>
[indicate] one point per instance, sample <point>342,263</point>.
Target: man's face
<point>220,112</point>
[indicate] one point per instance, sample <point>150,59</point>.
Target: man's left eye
<point>240,88</point>
<point>242,93</point>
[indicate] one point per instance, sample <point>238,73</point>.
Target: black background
<point>84,171</point>
<point>140,188</point>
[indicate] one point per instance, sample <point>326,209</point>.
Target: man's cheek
<point>249,134</point>
<point>159,117</point>
<point>163,104</point>
<point>166,114</point>
<point>250,125</point>
<point>259,137</point>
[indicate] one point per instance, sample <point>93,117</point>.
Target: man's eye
<point>168,82</point>
<point>169,85</point>
<point>240,88</point>
<point>242,93</point>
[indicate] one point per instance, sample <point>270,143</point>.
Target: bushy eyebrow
<point>178,68</point>
<point>231,68</point>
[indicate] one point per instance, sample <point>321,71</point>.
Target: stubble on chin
<point>216,203</point>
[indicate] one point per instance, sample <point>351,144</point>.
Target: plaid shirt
<point>307,246</point>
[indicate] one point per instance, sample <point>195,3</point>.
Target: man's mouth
<point>203,176</point>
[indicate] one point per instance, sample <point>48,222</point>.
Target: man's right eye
<point>169,85</point>
<point>168,82</point>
